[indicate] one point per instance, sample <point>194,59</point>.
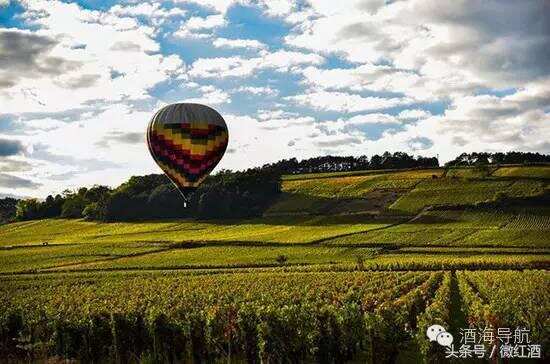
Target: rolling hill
<point>340,266</point>
<point>318,219</point>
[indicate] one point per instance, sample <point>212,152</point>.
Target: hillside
<point>392,218</point>
<point>341,266</point>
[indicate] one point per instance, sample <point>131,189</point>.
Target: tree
<point>97,193</point>
<point>165,201</point>
<point>73,206</point>
<point>94,211</point>
<point>7,209</point>
<point>29,209</point>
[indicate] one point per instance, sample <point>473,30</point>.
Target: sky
<point>79,81</point>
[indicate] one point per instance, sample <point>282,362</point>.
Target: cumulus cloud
<point>10,147</point>
<point>346,102</point>
<point>276,124</point>
<point>211,96</point>
<point>349,77</point>
<point>148,10</point>
<point>497,43</point>
<point>413,114</point>
<point>14,182</point>
<point>281,61</point>
<point>338,142</point>
<point>238,43</point>
<point>257,90</point>
<point>374,118</point>
<point>24,54</point>
<point>219,6</point>
<point>275,114</point>
<point>420,143</point>
<point>519,119</point>
<point>71,54</point>
<point>197,27</point>
<point>14,165</point>
<point>122,137</point>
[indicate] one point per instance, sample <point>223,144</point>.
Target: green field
<point>346,266</point>
<point>282,230</point>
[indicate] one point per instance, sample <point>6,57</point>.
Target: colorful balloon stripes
<point>187,150</point>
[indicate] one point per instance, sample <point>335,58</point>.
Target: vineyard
<point>322,316</point>
<point>351,266</point>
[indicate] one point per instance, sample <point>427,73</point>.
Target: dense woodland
<point>226,194</point>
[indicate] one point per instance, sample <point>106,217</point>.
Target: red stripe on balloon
<point>191,163</point>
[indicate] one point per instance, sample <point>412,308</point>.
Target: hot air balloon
<point>187,141</point>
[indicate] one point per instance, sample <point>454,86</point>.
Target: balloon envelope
<point>187,141</point>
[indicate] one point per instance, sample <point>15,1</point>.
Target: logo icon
<point>439,334</point>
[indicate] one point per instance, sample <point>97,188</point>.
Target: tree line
<point>397,160</point>
<point>226,194</point>
<point>485,158</point>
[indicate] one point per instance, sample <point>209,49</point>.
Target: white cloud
<point>149,10</point>
<point>281,61</point>
<point>93,43</point>
<point>279,8</point>
<point>374,118</point>
<point>460,43</point>
<point>413,114</point>
<point>275,114</point>
<point>210,96</point>
<point>254,143</point>
<point>220,6</point>
<point>480,123</point>
<point>212,21</point>
<point>197,27</point>
<point>345,102</point>
<point>238,43</point>
<point>257,90</point>
<point>356,79</point>
<point>68,156</point>
<point>273,8</point>
<point>282,123</point>
<point>4,3</point>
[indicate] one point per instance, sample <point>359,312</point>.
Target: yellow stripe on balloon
<point>196,149</point>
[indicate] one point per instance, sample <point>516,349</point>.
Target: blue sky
<point>79,80</point>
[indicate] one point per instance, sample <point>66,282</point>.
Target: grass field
<point>349,266</point>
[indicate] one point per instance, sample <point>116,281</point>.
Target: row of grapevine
<point>270,317</point>
<point>515,299</point>
<point>279,316</point>
<point>437,313</point>
<point>531,221</point>
<point>393,324</point>
<point>253,317</point>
